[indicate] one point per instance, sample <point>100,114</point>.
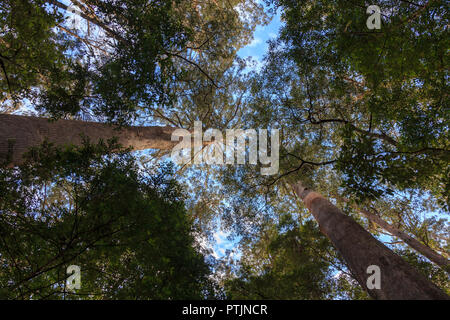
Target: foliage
<point>129,233</point>
<point>287,261</point>
<point>362,114</point>
<point>377,99</point>
<point>433,273</point>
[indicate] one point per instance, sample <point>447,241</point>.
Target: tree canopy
<point>128,232</point>
<point>363,118</point>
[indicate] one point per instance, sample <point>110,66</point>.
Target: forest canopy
<point>364,157</point>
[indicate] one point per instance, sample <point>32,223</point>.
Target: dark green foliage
<point>137,55</point>
<point>435,274</point>
<point>39,52</point>
<point>376,100</point>
<point>286,262</point>
<point>363,113</point>
<point>29,50</point>
<point>86,206</point>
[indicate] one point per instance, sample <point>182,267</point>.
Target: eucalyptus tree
<point>362,113</point>
<point>361,251</point>
<point>348,101</point>
<point>285,260</point>
<point>381,92</point>
<point>139,61</point>
<point>423,248</point>
<point>93,206</point>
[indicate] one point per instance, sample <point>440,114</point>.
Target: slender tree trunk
<point>360,250</point>
<point>19,133</point>
<point>413,243</point>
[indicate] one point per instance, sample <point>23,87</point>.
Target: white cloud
<point>255,42</point>
<point>220,237</point>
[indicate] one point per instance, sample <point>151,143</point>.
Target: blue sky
<point>256,49</point>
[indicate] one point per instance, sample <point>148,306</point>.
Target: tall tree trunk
<point>360,250</point>
<point>413,243</point>
<point>19,133</point>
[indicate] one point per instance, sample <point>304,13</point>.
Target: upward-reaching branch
<point>118,37</point>
<point>19,133</point>
<point>413,243</point>
<point>90,19</point>
<point>360,250</point>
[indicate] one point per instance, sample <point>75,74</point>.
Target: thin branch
<point>90,19</point>
<point>194,64</point>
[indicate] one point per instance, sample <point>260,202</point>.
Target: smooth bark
<point>360,250</point>
<point>19,133</point>
<point>413,243</point>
